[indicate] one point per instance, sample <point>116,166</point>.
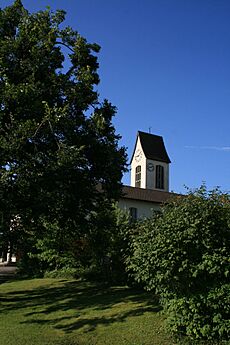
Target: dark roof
<point>148,195</point>
<point>153,147</point>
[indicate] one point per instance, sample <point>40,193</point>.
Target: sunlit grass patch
<point>70,312</point>
<point>55,311</point>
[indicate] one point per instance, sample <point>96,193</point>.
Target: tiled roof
<point>148,195</point>
<point>153,147</point>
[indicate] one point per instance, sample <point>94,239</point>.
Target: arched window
<point>159,177</point>
<point>138,176</point>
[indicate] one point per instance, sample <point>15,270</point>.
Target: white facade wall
<point>135,163</point>
<point>151,175</point>
<point>144,209</point>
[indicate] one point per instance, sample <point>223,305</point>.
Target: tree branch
<point>63,44</point>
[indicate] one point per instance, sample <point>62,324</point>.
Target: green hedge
<point>184,255</point>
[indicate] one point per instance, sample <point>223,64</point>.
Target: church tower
<point>150,163</point>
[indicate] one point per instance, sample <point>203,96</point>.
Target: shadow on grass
<point>46,305</point>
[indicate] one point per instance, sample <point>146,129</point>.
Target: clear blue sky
<point>166,65</point>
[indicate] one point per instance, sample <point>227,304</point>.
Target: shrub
<point>183,254</point>
<point>201,315</point>
<point>97,255</point>
<point>65,273</point>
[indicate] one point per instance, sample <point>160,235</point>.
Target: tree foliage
<point>183,254</point>
<point>57,140</point>
<point>99,253</point>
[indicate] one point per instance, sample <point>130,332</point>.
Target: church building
<point>149,177</point>
<point>149,187</point>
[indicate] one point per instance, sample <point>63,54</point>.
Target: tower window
<point>160,177</point>
<point>138,176</point>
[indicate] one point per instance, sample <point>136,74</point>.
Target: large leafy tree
<point>57,140</point>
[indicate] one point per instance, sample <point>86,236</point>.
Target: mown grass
<point>70,312</point>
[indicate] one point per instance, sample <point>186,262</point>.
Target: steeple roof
<point>153,147</point>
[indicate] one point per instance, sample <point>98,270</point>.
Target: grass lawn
<point>70,312</point>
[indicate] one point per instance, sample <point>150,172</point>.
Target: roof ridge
<point>145,133</point>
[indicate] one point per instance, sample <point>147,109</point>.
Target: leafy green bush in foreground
<point>183,254</point>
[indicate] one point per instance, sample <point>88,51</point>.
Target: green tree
<point>57,140</point>
<point>183,254</point>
